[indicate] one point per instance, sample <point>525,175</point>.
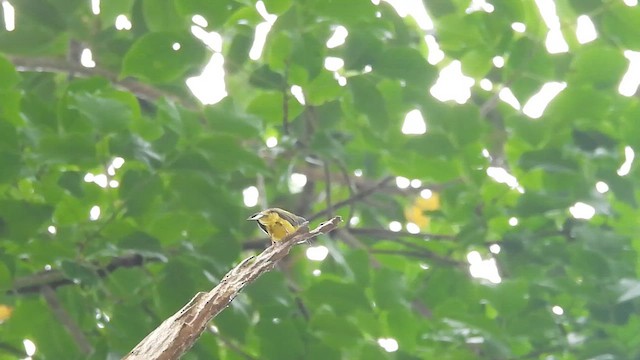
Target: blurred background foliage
<point>483,224</point>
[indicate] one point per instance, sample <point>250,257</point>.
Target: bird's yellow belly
<point>280,230</point>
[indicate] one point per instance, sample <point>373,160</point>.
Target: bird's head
<point>264,217</point>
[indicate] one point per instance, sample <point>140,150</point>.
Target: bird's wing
<point>294,219</point>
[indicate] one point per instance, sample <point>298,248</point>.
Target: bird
<point>277,223</point>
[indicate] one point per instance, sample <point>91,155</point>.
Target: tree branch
<point>357,197</point>
<point>384,233</point>
<point>419,255</point>
<point>54,278</point>
<point>178,333</point>
<point>54,65</point>
<point>327,187</point>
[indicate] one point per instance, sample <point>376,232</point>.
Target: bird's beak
<point>256,216</point>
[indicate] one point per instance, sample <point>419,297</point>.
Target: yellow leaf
<point>415,213</point>
<point>430,204</point>
<point>5,312</point>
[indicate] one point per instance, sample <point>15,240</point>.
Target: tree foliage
<point>121,195</point>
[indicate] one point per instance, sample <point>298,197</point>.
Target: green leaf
<point>277,7</point>
<point>322,88</point>
<point>268,105</point>
<point>361,48</point>
<point>477,63</point>
<point>389,289</point>
<point>407,64</point>
<point>279,339</point>
<point>588,63</point>
<point>79,273</point>
<point>404,327</point>
<point>166,64</point>
<point>142,243</point>
<point>458,32</point>
<point>10,111</point>
<point>238,52</point>
<point>72,210</point>
<point>139,189</point>
<point>106,115</point>
<point>21,220</point>
<point>127,324</point>
<point>72,148</point>
<point>73,182</point>
<point>233,321</point>
<point>585,6</point>
<point>341,297</point>
<point>336,331</point>
<point>358,261</point>
<point>316,350</point>
<point>527,67</point>
<point>127,283</point>
<point>32,318</point>
<point>368,99</point>
<point>162,15</point>
<point>216,12</point>
<point>11,164</point>
<point>110,10</point>
<point>579,104</point>
<point>265,78</point>
<point>278,50</point>
<point>224,117</point>
<point>271,295</point>
<point>549,160</point>
<point>531,131</point>
<point>620,22</point>
<point>236,157</point>
<point>346,12</point>
<point>6,278</point>
<point>530,203</point>
<point>176,286</point>
<point>43,12</point>
<point>8,74</point>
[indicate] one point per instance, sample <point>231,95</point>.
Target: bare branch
<point>178,333</point>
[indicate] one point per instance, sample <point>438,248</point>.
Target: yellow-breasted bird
<point>277,223</point>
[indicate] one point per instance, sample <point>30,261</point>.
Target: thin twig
<point>67,321</point>
<point>55,278</point>
<point>384,233</point>
<point>419,255</point>
<point>351,188</point>
<point>327,187</point>
<point>16,352</point>
<point>357,197</point>
<point>53,65</point>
